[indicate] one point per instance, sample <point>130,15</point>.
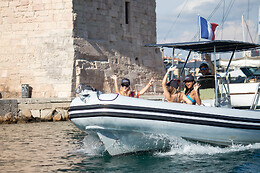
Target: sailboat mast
<point>243,32</point>
<point>259,25</point>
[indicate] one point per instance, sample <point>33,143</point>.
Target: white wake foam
<point>92,146</point>
<point>183,147</point>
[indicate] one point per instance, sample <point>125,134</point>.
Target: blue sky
<point>177,20</point>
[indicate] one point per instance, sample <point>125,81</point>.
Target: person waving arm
<point>167,94</point>
<point>196,93</point>
<point>114,77</point>
<point>142,91</point>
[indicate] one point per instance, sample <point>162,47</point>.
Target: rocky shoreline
<point>33,110</point>
<point>25,116</point>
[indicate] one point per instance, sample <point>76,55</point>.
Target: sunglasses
<point>125,85</point>
<point>205,68</point>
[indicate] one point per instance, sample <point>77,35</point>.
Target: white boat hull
<point>126,125</point>
<point>242,94</point>
<point>118,142</point>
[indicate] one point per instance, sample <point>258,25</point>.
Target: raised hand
<point>172,68</point>
<point>196,86</point>
<point>114,77</point>
<point>207,57</point>
<point>151,81</point>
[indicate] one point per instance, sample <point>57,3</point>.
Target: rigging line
<point>226,14</point>
<point>216,8</point>
<point>175,20</point>
<point>229,8</point>
<point>249,32</point>
<point>208,18</point>
<point>250,36</point>
<point>222,28</point>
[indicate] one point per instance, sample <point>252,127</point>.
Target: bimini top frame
<point>216,46</point>
<point>221,46</point>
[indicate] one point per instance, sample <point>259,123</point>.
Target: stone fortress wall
<point>36,47</point>
<point>54,45</point>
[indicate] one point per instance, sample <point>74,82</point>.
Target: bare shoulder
<point>172,98</point>
<point>181,94</point>
<point>193,92</point>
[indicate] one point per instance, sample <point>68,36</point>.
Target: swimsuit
<point>193,101</point>
<point>132,94</point>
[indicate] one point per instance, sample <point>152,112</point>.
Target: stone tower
<point>53,45</point>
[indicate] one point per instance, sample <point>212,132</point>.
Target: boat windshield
<point>251,71</point>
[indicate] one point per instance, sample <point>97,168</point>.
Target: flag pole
<point>199,33</point>
<point>199,27</point>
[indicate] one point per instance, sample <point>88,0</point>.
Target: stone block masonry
<point>36,47</point>
<point>7,106</point>
<point>54,45</point>
<point>105,44</point>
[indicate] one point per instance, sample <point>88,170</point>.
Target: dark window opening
<point>126,12</point>
<point>137,61</point>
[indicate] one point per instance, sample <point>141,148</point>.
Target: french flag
<point>207,29</point>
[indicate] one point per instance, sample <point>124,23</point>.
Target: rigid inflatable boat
<point>126,125</point>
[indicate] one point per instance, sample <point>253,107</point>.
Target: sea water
<point>61,147</point>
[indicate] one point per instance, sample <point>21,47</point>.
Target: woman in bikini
<point>125,88</point>
<point>191,90</point>
<point>170,89</point>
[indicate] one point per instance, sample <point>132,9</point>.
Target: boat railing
<point>256,98</point>
<point>224,91</point>
<point>84,91</point>
<point>207,90</point>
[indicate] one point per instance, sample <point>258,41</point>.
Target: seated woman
<point>125,87</point>
<point>191,90</point>
<point>171,92</point>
